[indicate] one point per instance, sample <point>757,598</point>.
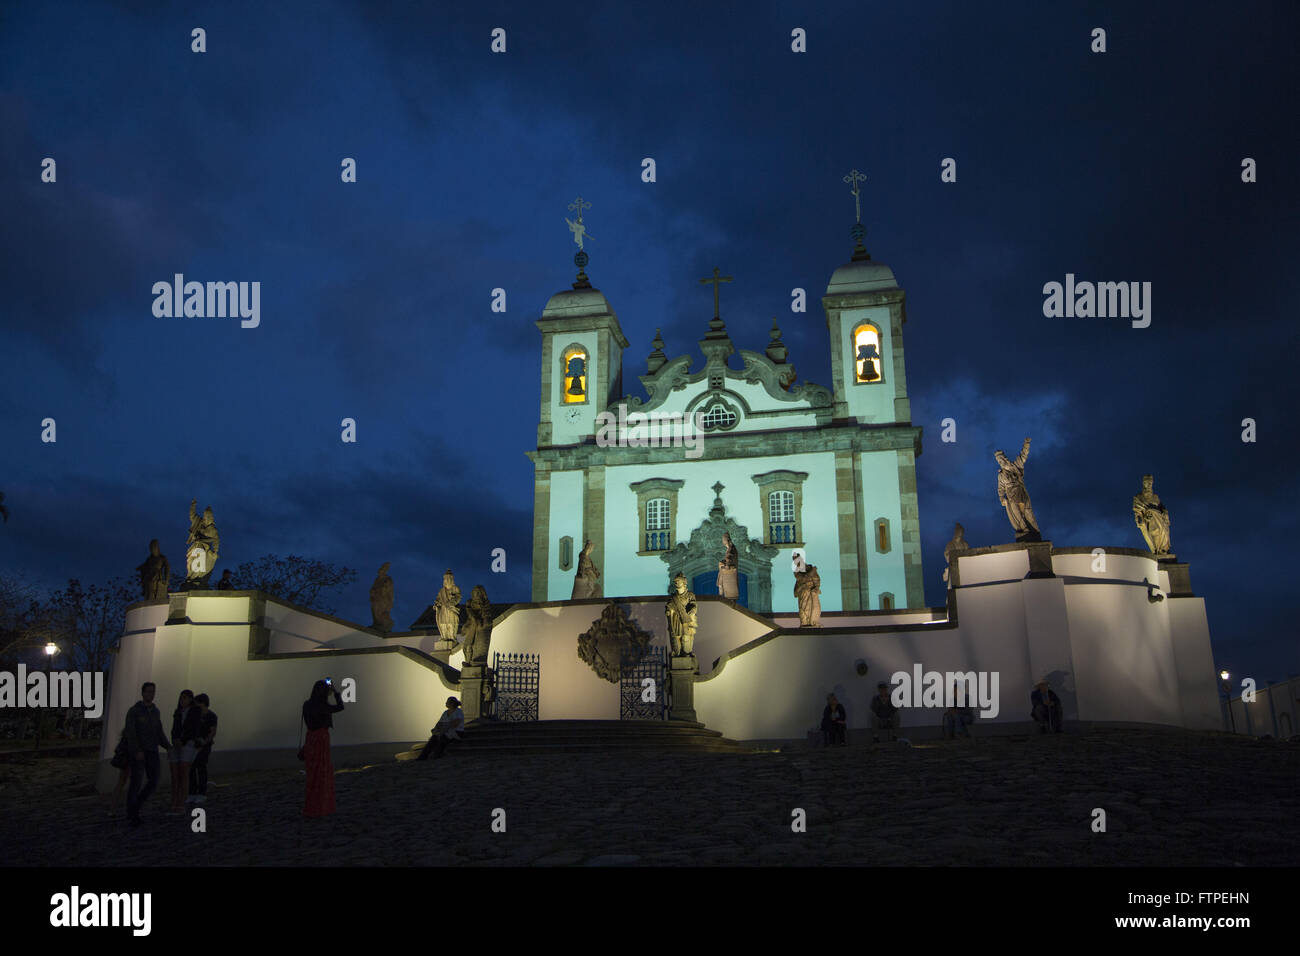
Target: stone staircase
<point>585,736</point>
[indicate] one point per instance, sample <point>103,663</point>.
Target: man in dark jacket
<point>144,735</point>
<point>1046,707</point>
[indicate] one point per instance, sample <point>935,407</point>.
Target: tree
<point>86,622</point>
<point>20,609</point>
<point>301,581</point>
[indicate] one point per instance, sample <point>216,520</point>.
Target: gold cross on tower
<point>715,279</point>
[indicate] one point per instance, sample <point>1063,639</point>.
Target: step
<point>574,747</point>
<point>588,736</point>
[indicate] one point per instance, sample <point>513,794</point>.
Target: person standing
<point>207,733</point>
<point>144,735</point>
<point>185,732</point>
<point>318,715</point>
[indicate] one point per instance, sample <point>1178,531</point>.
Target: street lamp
<point>1227,693</point>
<point>50,650</point>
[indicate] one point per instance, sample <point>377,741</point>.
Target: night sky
<point>375,296</point>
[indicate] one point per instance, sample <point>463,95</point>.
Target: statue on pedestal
<point>683,618</point>
<point>1013,495</point>
<point>586,583</point>
<point>954,547</point>
<point>807,587</point>
<point>478,628</point>
<point>1152,518</point>
<point>381,600</point>
<point>447,610</point>
<point>728,573</point>
<point>201,547</point>
<point>154,574</point>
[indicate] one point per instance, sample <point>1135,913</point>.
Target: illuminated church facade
<point>654,481</point>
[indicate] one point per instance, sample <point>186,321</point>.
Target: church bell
<point>867,355</point>
<point>577,369</point>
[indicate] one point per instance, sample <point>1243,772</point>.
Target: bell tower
<point>582,354</point>
<point>865,314</point>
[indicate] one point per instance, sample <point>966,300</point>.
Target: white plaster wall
<point>986,568</point>
<point>869,619</point>
<point>570,689</point>
<point>1123,654</point>
<point>1107,649</point>
<point>1198,683</point>
<point>880,496</point>
<point>871,401</point>
<point>778,690</point>
<point>1111,654</point>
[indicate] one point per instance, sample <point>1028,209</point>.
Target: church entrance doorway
<point>707,583</point>
<point>697,559</point>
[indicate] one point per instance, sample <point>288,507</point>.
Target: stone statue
<point>955,546</point>
<point>1152,518</point>
<point>728,573</point>
<point>447,609</point>
<point>201,547</point>
<point>154,574</point>
<point>478,629</point>
<point>683,617</point>
<point>807,587</point>
<point>381,600</point>
<point>586,583</point>
<point>1013,495</point>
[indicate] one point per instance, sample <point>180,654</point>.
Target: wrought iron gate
<point>632,689</point>
<point>517,680</point>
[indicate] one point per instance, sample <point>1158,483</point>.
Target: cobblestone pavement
<point>1182,799</point>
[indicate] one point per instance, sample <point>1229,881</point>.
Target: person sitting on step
<point>450,726</point>
<point>884,715</point>
<point>833,722</point>
<point>1046,706</point>
<point>957,719</point>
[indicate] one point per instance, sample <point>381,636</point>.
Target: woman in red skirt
<point>317,715</point>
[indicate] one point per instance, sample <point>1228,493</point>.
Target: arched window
<point>658,532</point>
<point>780,517</point>
<point>886,601</point>
<point>566,552</point>
<point>573,373</point>
<point>866,354</point>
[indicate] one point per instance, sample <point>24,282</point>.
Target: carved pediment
<point>612,641</point>
<point>774,376</point>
